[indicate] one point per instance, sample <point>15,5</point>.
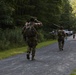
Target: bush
<point>41,36</point>
<point>6,20</point>
<point>11,38</point>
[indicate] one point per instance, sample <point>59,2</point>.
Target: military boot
<point>32,58</point>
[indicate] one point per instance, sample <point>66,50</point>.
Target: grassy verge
<point>15,51</point>
<point>73,73</point>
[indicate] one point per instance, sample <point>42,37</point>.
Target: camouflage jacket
<point>61,34</point>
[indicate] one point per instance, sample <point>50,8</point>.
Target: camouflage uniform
<point>31,41</point>
<point>61,36</point>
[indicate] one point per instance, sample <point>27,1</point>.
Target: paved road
<point>49,61</point>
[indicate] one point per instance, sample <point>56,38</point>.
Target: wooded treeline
<point>14,14</point>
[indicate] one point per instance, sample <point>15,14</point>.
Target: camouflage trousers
<point>61,44</point>
<point>31,43</point>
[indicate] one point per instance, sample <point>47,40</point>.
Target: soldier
<point>73,34</point>
<point>61,36</point>
<point>31,36</point>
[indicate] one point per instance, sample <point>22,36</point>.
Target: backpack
<point>30,31</point>
<point>61,34</point>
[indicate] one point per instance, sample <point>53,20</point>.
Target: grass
<point>73,73</point>
<point>15,51</point>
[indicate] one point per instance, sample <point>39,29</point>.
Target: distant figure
<point>61,36</point>
<point>30,35</point>
<point>73,34</point>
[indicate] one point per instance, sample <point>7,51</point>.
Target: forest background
<point>14,14</point>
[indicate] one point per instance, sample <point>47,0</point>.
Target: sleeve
<point>39,24</point>
<point>26,24</point>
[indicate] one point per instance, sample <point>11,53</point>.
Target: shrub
<point>11,38</point>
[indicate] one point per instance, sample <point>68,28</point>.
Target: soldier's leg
<point>59,44</point>
<point>73,36</point>
<point>62,44</point>
<point>34,47</point>
<point>28,52</point>
<point>33,52</point>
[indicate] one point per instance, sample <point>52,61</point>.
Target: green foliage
<point>14,13</point>
<point>48,11</point>
<point>66,16</point>
<point>73,73</point>
<point>11,38</point>
<point>14,51</point>
<point>5,15</point>
<point>41,36</point>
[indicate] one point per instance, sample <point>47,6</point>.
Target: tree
<point>6,19</point>
<point>66,15</point>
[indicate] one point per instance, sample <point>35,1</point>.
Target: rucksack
<point>30,31</point>
<point>61,34</point>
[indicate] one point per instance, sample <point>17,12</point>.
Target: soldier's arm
<point>27,24</point>
<point>39,24</point>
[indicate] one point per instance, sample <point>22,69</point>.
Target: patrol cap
<point>61,27</point>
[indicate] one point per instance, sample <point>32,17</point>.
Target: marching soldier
<point>61,36</point>
<point>31,37</point>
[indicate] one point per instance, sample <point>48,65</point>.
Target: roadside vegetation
<point>14,14</point>
<point>15,51</point>
<point>73,73</point>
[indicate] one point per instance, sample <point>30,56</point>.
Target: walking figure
<point>61,36</point>
<point>30,35</point>
<point>73,34</point>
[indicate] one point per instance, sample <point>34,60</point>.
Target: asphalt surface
<point>49,61</point>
